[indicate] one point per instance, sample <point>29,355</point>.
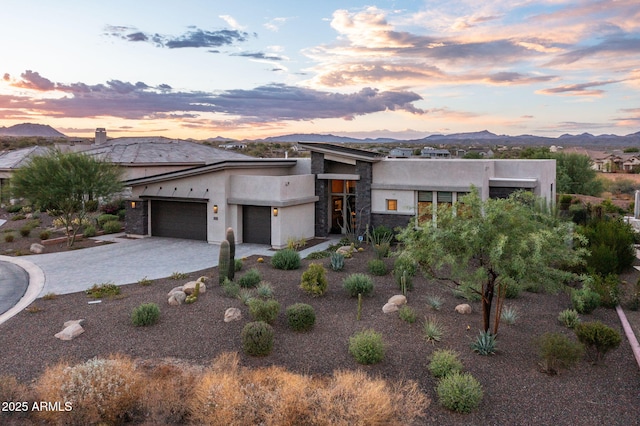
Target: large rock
<point>389,308</point>
<point>71,322</point>
<point>70,332</point>
<point>397,300</point>
<point>346,251</point>
<point>36,248</point>
<point>173,290</point>
<point>177,298</point>
<point>232,314</point>
<point>463,309</point>
<point>190,287</point>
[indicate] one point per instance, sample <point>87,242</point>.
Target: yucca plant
<point>485,343</point>
<point>509,315</point>
<point>432,330</point>
<point>435,302</point>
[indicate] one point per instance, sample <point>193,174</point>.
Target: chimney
<point>101,136</point>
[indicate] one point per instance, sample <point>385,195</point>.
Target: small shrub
<point>459,392</point>
<point>104,218</point>
<point>257,338</point>
<point>512,290</point>
<point>15,208</point>
<point>8,238</point>
<point>245,294</point>
<point>237,264</point>
<point>25,231</point>
<point>377,267</point>
<point>358,283</point>
<point>286,259</point>
<point>264,310</point>
<point>264,290</point>
<point>45,235</point>
<point>509,315</point>
<point>444,362</point>
<point>18,216</point>
<point>432,330</point>
<point>98,291</point>
<point>608,288</point>
<point>408,268</point>
<point>50,296</point>
<point>314,280</point>
<point>485,343</point>
<point>585,300</point>
<point>337,261</point>
<point>406,313</point>
<point>231,289</point>
<point>112,227</point>
<point>250,279</point>
<point>316,255</point>
<point>382,250</point>
<point>434,302</point>
<point>145,314</point>
<point>557,351</point>
<point>144,282</point>
<point>300,317</point>
<point>569,318</point>
<point>367,347</point>
<point>89,231</point>
<point>598,339</point>
<point>178,275</point>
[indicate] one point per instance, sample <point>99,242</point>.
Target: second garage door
<point>177,219</point>
<point>256,224</point>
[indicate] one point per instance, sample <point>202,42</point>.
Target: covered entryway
<point>179,219</point>
<point>256,224</point>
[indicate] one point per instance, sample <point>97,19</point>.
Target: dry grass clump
<point>229,394</point>
<point>12,391</point>
<point>98,391</point>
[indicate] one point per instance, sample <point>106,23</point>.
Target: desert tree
<point>486,246</point>
<point>67,185</point>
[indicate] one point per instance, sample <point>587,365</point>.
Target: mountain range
<point>481,138</point>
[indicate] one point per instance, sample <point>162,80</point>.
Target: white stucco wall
<point>294,222</point>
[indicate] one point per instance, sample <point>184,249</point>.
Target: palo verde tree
<point>64,183</point>
<point>485,246</point>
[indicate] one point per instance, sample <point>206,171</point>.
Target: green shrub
<point>245,294</point>
<point>104,218</point>
<point>432,329</point>
<point>337,261</point>
<point>598,339</point>
<point>264,310</point>
<point>610,244</point>
<point>377,267</point>
<point>98,291</point>
<point>382,250</point>
<point>250,279</point>
<point>557,351</point>
<point>314,280</point>
<point>435,302</point>
<point>264,290</point>
<point>406,313</point>
<point>9,237</point>
<point>444,362</point>
<point>257,338</point>
<point>45,235</point>
<point>316,255</point>
<point>145,314</point>
<point>300,317</point>
<point>18,216</point>
<point>144,281</point>
<point>367,347</point>
<point>175,275</point>
<point>401,265</point>
<point>509,315</point>
<point>230,289</point>
<point>608,288</point>
<point>485,343</point>
<point>286,259</point>
<point>569,318</point>
<point>512,290</point>
<point>358,284</point>
<point>585,300</point>
<point>237,264</point>
<point>89,231</point>
<point>112,227</point>
<point>25,231</point>
<point>459,392</point>
<point>14,208</point>
<point>381,234</point>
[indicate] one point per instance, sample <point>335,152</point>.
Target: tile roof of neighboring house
<point>154,150</point>
<point>10,160</point>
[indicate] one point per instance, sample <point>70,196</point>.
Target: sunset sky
<point>250,69</point>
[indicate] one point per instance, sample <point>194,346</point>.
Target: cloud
<point>618,46</point>
<point>194,38</point>
<point>582,89</point>
<point>231,22</point>
<point>274,102</point>
<point>276,23</point>
<point>259,55</point>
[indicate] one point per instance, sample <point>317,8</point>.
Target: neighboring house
<point>339,190</point>
<point>430,152</point>
<point>12,160</point>
<point>401,152</point>
<point>233,145</point>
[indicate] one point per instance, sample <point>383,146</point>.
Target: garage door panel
<point>176,219</point>
<point>256,224</point>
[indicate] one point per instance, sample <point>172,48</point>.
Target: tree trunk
<point>487,300</point>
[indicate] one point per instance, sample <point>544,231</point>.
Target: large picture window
<point>425,206</point>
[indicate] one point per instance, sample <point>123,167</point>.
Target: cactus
<point>232,253</point>
<point>337,261</point>
<point>223,261</point>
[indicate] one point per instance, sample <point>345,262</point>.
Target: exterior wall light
<point>215,208</point>
<point>275,211</point>
<point>133,204</point>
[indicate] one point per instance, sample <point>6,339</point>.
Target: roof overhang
<point>513,182</point>
<point>337,150</point>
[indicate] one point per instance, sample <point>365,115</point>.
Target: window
<point>392,205</point>
<point>425,206</point>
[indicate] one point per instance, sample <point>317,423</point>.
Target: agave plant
<point>485,343</point>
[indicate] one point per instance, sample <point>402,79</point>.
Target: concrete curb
<point>36,284</point>
<point>628,331</point>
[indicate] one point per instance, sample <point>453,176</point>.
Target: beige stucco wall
<point>295,222</point>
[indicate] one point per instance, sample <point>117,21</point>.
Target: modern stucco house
<point>338,189</point>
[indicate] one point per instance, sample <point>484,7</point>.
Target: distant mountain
<point>30,129</point>
<point>312,137</point>
<point>483,135</point>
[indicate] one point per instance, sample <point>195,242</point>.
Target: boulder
<point>70,332</point>
<point>202,279</point>
<point>398,300</point>
<point>71,322</point>
<point>177,298</point>
<point>346,251</point>
<point>232,314</point>
<point>190,287</point>
<point>173,290</point>
<point>36,248</point>
<point>390,307</point>
<point>463,309</point>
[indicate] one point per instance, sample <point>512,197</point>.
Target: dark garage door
<point>256,224</point>
<point>177,219</point>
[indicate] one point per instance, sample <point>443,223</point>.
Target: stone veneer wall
<point>318,165</point>
<point>391,220</point>
<point>136,221</point>
<point>363,196</point>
